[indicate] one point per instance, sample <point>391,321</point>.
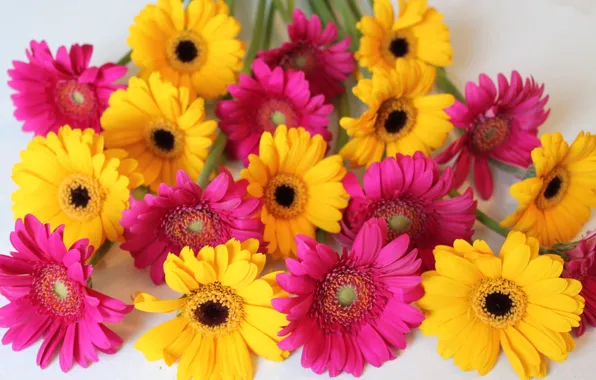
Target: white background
<point>553,40</point>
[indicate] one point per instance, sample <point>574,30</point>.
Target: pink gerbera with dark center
<point>186,216</point>
<point>312,50</point>
<point>53,92</point>
<point>352,309</point>
<point>582,266</point>
<point>46,284</point>
<point>500,125</point>
<point>271,98</point>
<point>408,192</point>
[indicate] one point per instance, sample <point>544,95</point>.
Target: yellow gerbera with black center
<point>557,202</point>
<point>401,117</point>
<point>68,179</point>
<point>301,189</point>
<point>196,48</point>
<point>418,33</point>
<point>225,311</point>
<point>157,124</point>
<point>478,304</point>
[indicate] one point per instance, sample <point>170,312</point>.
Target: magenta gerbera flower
<point>501,125</point>
<point>52,92</point>
<point>353,309</point>
<point>271,98</point>
<point>313,51</point>
<point>582,266</point>
<point>408,191</point>
<point>186,216</point>
<point>46,284</point>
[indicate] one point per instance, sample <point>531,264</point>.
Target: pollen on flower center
<point>186,51</point>
<point>163,139</point>
<point>554,189</point>
<point>214,309</point>
<point>285,196</point>
<point>54,293</point>
<point>395,119</point>
<point>76,100</point>
<point>81,197</point>
<point>275,112</point>
<point>499,302</point>
<point>194,227</point>
<point>402,216</point>
<point>489,134</point>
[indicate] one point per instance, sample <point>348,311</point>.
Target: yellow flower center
<point>286,196</point>
<point>499,302</point>
<point>395,119</point>
<point>554,189</point>
<point>399,44</point>
<point>186,51</point>
<point>163,139</point>
<point>81,197</point>
<point>214,309</point>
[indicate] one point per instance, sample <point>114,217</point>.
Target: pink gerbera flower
<point>501,125</point>
<point>46,284</point>
<point>582,267</point>
<point>186,216</point>
<point>408,191</point>
<point>312,51</point>
<point>271,98</point>
<point>53,92</point>
<point>354,309</point>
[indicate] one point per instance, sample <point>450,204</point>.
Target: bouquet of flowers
<point>142,165</point>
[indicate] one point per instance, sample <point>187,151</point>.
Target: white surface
<point>553,40</point>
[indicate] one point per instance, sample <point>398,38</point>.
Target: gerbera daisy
<point>581,267</point>
<point>196,48</point>
<point>313,51</point>
<point>224,312</point>
<point>46,284</point>
<point>555,204</point>
<point>271,98</point>
<point>401,118</point>
<point>478,304</point>
<point>67,178</point>
<point>52,92</point>
<point>300,188</point>
<point>407,192</point>
<point>501,125</point>
<point>351,310</point>
<point>157,124</point>
<point>418,33</point>
<point>186,216</point>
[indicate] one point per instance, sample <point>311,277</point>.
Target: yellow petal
<point>261,344</point>
<point>153,342</point>
<point>150,304</point>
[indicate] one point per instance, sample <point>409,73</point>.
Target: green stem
<point>269,26</point>
<point>285,15</point>
<point>320,8</point>
<point>100,253</point>
<point>140,192</point>
<point>256,37</point>
<point>212,159</point>
<point>290,6</point>
<point>518,172</point>
<point>321,236</point>
<point>355,9</point>
<point>372,4</point>
<point>343,108</point>
<point>485,219</point>
<point>331,12</point>
<point>125,59</point>
<point>446,86</point>
<point>231,4</point>
<point>349,23</point>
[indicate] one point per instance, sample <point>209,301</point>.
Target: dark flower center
<point>79,197</point>
<point>396,121</point>
<point>212,313</point>
<point>186,51</point>
<point>399,47</point>
<point>164,139</point>
<point>553,187</point>
<point>285,195</point>
<point>498,304</point>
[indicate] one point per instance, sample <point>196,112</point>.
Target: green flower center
<point>399,223</point>
<point>346,295</point>
<point>278,118</point>
<point>60,290</point>
<point>196,226</point>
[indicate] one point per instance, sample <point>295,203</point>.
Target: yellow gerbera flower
<point>68,178</point>
<point>225,311</point>
<point>555,204</point>
<point>157,124</point>
<point>301,189</point>
<point>476,304</point>
<point>401,117</point>
<point>195,48</point>
<point>418,33</point>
